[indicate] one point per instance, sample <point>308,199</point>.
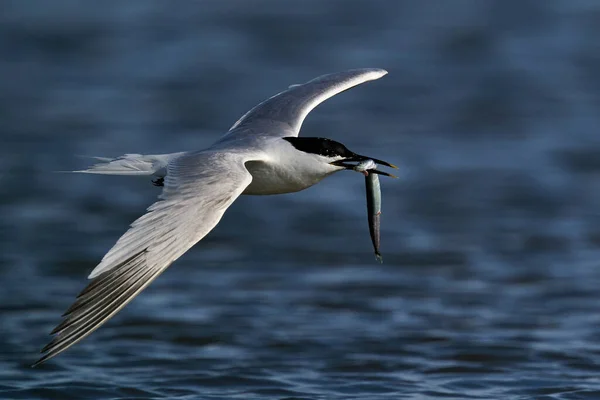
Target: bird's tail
<point>131,164</point>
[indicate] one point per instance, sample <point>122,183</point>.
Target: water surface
<point>490,238</point>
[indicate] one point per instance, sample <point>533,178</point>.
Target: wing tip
<point>377,73</point>
<point>40,361</point>
<point>371,73</point>
<point>360,74</point>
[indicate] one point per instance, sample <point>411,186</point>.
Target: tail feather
<point>131,164</point>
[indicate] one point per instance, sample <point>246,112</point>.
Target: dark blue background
<point>490,238</point>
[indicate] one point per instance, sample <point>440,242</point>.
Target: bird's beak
<point>356,158</point>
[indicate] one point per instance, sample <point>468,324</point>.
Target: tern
<point>261,154</point>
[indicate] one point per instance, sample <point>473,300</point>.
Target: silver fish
<point>374,210</point>
<point>368,169</point>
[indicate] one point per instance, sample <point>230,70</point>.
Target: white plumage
<point>252,158</point>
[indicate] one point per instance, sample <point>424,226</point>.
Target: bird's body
<point>271,170</point>
<point>274,174</point>
<point>260,155</point>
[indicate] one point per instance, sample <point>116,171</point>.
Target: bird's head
<point>333,153</point>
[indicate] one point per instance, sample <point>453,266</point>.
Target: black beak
<point>356,158</point>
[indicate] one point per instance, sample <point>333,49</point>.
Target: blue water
<point>490,237</point>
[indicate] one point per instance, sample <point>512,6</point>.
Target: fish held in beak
<point>373,189</point>
<point>365,165</point>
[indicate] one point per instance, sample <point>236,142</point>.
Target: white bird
<point>261,154</point>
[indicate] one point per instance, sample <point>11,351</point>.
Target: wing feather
<point>189,207</point>
<point>293,105</point>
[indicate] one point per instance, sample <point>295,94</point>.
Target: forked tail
<point>131,164</point>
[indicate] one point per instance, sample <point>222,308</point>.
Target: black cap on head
<point>331,148</point>
<point>321,146</point>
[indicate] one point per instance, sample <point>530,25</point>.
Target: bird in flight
<point>261,154</point>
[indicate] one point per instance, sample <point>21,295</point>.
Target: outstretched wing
<point>293,105</point>
<point>197,190</point>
